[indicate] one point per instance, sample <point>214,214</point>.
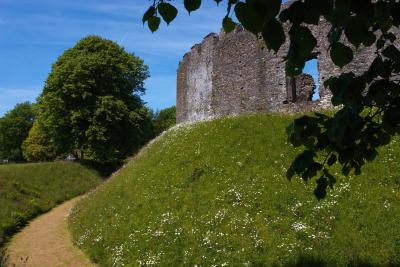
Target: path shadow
<point>103,169</point>
<point>307,261</point>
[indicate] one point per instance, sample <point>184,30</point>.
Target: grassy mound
<point>215,194</point>
<point>27,190</point>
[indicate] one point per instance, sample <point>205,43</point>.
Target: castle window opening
<point>303,87</point>
<point>311,68</point>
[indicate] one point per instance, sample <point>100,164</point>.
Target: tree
<point>38,146</point>
<point>164,119</point>
<point>14,128</point>
<point>91,102</point>
<point>368,104</point>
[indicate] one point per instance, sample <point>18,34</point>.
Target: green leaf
<point>167,11</point>
<point>154,23</point>
<point>228,24</point>
<point>396,14</point>
<point>303,160</point>
<point>294,67</point>
<point>249,17</point>
<point>230,4</point>
<point>334,34</point>
<point>272,8</point>
<point>378,68</point>
<point>149,13</point>
<point>370,154</point>
<point>273,35</point>
<point>346,170</point>
<point>290,173</point>
<point>313,14</point>
<point>341,54</point>
<point>390,36</point>
<point>293,137</point>
<point>295,13</point>
<point>301,47</point>
<point>192,5</point>
<point>378,92</point>
<point>392,52</point>
<point>357,32</point>
<point>304,43</point>
<point>380,44</point>
<point>332,160</point>
<point>382,15</point>
<point>311,170</point>
<point>320,190</point>
<point>383,138</point>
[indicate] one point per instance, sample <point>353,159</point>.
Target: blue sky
<point>34,33</point>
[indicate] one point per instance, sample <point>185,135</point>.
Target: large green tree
<point>368,104</point>
<point>91,104</point>
<point>14,128</point>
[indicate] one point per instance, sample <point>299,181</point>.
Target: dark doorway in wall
<point>291,90</point>
<point>311,68</point>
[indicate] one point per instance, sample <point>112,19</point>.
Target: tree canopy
<point>164,119</point>
<point>367,105</point>
<point>14,128</point>
<point>90,105</point>
<point>38,146</point>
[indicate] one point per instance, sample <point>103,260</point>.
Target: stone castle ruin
<point>232,74</point>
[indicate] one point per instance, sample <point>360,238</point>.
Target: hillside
<point>215,194</point>
<point>27,190</point>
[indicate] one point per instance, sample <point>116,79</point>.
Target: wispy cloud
<point>28,92</point>
<point>11,96</point>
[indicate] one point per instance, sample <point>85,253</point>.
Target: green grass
<point>27,190</point>
<point>215,194</point>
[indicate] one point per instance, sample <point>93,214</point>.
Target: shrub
<point>38,146</point>
<point>164,119</point>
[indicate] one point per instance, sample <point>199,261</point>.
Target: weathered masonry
<point>232,74</point>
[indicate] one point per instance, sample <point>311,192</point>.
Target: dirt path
<point>46,242</point>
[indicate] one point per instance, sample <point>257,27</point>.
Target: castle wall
<point>238,79</point>
<point>363,57</point>
<point>181,88</point>
<point>232,74</point>
<point>194,83</point>
<point>215,80</point>
<point>305,85</point>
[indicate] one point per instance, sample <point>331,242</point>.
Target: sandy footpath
<point>46,242</point>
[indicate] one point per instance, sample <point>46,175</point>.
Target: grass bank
<point>27,190</point>
<point>215,194</point>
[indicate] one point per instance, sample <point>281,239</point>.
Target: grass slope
<point>27,190</point>
<point>215,194</point>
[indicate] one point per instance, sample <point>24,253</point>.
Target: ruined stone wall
<point>199,69</point>
<point>363,57</point>
<point>305,86</point>
<point>181,90</point>
<point>238,77</point>
<point>232,74</point>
